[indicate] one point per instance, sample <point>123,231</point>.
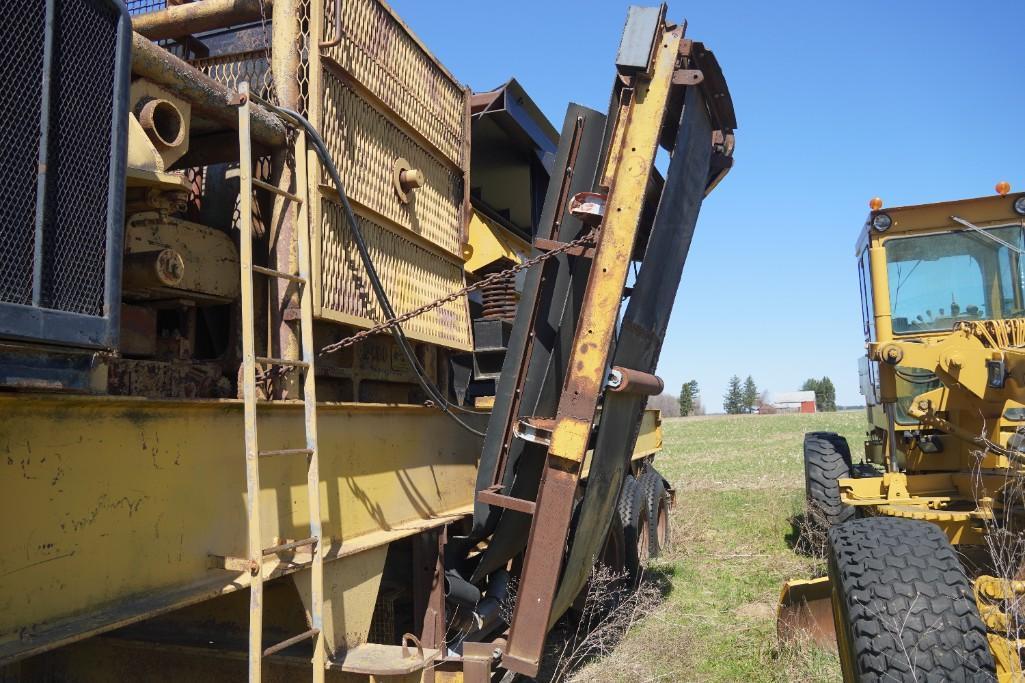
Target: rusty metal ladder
<point>257,552</point>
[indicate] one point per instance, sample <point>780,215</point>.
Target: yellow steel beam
<point>114,507</point>
<point>640,123</point>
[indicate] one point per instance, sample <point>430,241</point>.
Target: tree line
<point>825,393</point>
<point>741,397</point>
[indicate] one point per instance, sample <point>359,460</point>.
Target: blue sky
<point>836,103</point>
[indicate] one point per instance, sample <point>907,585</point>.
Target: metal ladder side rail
<point>253,454</point>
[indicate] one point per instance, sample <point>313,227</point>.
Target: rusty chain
<point>586,240</point>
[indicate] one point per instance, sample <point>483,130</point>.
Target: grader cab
<point>308,354</point>
<point>943,300</point>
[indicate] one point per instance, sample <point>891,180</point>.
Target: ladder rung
<point>306,635</point>
<point>292,545</point>
<point>277,190</point>
<point>264,360</point>
<point>279,274</point>
<point>234,173</point>
<point>286,451</point>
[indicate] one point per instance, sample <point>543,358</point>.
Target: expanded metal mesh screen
<point>380,53</point>
<point>366,144</point>
<point>82,92</point>
<point>21,53</point>
<point>143,6</point>
<point>65,91</point>
<point>412,275</point>
<point>233,69</point>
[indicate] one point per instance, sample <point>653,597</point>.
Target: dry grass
<point>740,494</point>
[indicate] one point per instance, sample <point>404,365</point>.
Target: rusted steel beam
<point>543,559</point>
<point>429,591</point>
<point>209,98</point>
<point>284,334</point>
<point>196,17</point>
<point>628,170</point>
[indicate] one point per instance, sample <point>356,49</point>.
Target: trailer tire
<point>656,496</point>
<point>827,458</point>
<point>633,511</point>
<point>902,606</point>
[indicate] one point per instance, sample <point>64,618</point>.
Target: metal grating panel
<point>304,56</point>
<point>143,6</point>
<point>74,235</point>
<point>411,275</point>
<point>21,53</point>
<point>62,162</point>
<point>381,54</point>
<point>365,145</point>
<point>232,69</point>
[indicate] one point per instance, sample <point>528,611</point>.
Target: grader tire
<point>657,499</point>
<point>902,605</point>
<point>633,511</point>
<point>827,458</point>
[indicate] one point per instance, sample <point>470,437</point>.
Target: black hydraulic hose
<point>375,281</point>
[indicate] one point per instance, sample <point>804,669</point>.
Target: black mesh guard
<point>62,166</point>
<point>21,54</point>
<point>82,102</point>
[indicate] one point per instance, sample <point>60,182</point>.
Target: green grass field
<point>739,482</point>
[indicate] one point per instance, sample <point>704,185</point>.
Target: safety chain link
<point>586,240</point>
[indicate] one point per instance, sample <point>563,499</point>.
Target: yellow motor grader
<point>924,536</point>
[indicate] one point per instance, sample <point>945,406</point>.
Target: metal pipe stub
<point>209,98</point>
<point>162,121</point>
<point>626,381</point>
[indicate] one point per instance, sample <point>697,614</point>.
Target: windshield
<point>936,280</point>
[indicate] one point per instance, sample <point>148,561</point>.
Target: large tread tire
<point>633,511</point>
<point>656,497</point>
<point>902,606</point>
<point>827,458</point>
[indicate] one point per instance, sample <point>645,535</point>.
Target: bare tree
<point>667,403</point>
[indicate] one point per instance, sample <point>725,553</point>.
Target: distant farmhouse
<point>790,402</point>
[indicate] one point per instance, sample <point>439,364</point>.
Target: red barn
<point>793,401</point>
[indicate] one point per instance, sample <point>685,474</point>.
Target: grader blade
<point>805,612</point>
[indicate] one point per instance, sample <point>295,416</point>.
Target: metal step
<point>294,640</point>
<point>265,360</point>
<point>291,545</point>
<point>285,451</point>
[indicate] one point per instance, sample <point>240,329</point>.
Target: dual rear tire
<point>644,505</point>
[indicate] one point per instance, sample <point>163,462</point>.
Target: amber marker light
<point>875,203</point>
<point>1003,187</point>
